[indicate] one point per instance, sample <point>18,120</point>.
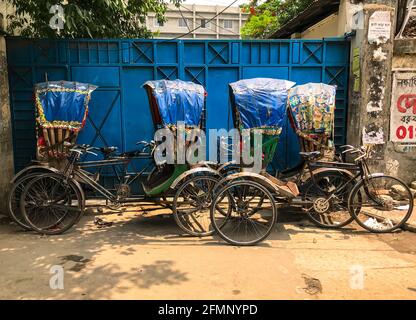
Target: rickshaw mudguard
<point>376,174</point>
<point>337,170</point>
<point>192,171</point>
<point>263,180</point>
<point>52,170</point>
<point>225,165</point>
<point>179,169</point>
<point>34,168</point>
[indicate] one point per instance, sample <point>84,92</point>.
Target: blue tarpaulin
<point>260,102</point>
<point>62,103</point>
<point>178,100</point>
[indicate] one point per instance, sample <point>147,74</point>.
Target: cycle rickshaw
<point>333,194</point>
<point>52,203</point>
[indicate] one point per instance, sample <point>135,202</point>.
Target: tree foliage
<point>270,15</point>
<point>260,25</point>
<point>86,18</point>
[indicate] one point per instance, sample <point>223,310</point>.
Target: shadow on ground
<point>133,233</point>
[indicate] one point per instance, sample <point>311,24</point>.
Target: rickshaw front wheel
<point>251,213</point>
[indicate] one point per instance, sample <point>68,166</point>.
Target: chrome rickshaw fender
<point>261,179</point>
<point>194,171</point>
<point>308,179</point>
<point>227,166</point>
<point>376,174</point>
<point>341,171</point>
<point>31,169</point>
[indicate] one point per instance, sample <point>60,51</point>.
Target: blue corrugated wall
<point>119,112</point>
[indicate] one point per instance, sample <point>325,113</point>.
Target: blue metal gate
<point>119,112</point>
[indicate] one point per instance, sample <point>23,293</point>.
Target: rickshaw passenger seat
<point>310,155</point>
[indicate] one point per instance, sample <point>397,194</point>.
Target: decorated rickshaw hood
<point>62,104</point>
<point>178,100</point>
<point>313,106</point>
<point>260,102</point>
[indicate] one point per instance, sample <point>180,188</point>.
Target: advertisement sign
<point>403,107</point>
<point>379,27</point>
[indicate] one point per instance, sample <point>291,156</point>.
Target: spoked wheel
<point>251,214</point>
<point>328,200</point>
<point>381,203</point>
<point>191,205</point>
<point>51,205</point>
<point>14,199</point>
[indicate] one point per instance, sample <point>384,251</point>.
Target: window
<point>228,24</point>
<point>157,23</point>
<point>204,23</point>
<point>183,22</point>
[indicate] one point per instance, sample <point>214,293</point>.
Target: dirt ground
<point>143,255</point>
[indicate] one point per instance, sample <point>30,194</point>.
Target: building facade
<point>184,19</point>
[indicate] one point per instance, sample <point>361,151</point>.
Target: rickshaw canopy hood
<point>313,107</point>
<point>62,104</point>
<point>178,100</point>
<point>260,102</point>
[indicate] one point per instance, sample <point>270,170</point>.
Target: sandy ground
<point>143,255</point>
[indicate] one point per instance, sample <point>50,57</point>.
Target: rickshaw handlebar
<point>365,152</point>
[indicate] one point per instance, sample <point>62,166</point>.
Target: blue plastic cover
<point>178,100</point>
<point>261,102</point>
<point>62,104</point>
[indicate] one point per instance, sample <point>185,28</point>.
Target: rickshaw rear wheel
<point>50,204</point>
<point>323,211</point>
<point>191,205</point>
<point>14,199</point>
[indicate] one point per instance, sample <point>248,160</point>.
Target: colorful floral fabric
<point>313,106</point>
<point>62,104</point>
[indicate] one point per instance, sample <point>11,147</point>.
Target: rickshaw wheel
<point>252,216</point>
<point>14,199</point>
<point>191,205</point>
<point>325,212</point>
<point>50,205</point>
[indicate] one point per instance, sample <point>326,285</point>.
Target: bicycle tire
<point>220,228</point>
<point>375,227</point>
<point>188,226</point>
<point>61,181</point>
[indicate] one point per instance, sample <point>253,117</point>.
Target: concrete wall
<point>5,9</point>
<point>324,29</point>
<point>335,25</point>
<point>6,147</point>
<point>401,158</point>
<point>369,107</point>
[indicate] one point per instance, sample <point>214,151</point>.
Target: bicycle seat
<point>310,155</point>
<point>108,150</point>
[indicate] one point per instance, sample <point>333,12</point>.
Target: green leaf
<point>94,18</point>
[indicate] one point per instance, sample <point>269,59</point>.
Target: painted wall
<point>323,29</point>
<point>401,158</point>
<point>6,147</point>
